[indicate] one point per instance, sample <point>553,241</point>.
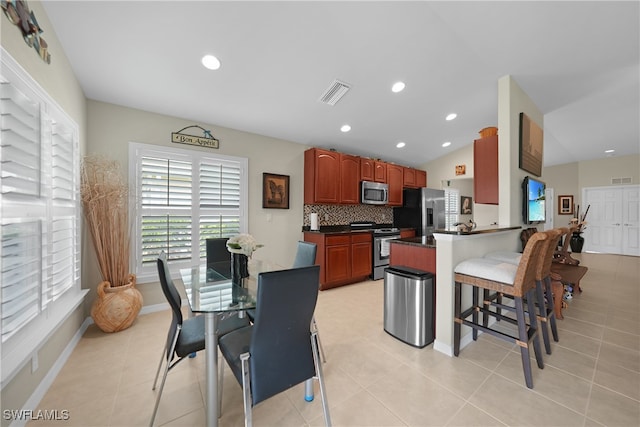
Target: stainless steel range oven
<point>382,249</point>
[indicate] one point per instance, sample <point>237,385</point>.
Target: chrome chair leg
<point>221,364</point>
<point>246,390</point>
<point>315,329</point>
<point>318,364</point>
<point>164,355</point>
<point>164,379</point>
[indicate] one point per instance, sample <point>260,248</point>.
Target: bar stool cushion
<point>505,256</point>
<point>489,269</point>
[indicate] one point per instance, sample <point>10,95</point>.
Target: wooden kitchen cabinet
<point>331,177</point>
<point>361,255</point>
<point>421,178</point>
<point>407,233</point>
<point>344,258</point>
<point>379,171</point>
<point>485,170</point>
<point>409,177</point>
<point>321,176</point>
<point>395,181</point>
<point>349,179</point>
<point>367,169</point>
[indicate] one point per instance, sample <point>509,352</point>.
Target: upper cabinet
<point>349,179</point>
<point>334,178</point>
<point>367,169</point>
<point>414,178</point>
<point>321,176</point>
<point>485,170</point>
<point>380,171</point>
<point>421,178</point>
<point>395,181</point>
<point>331,177</point>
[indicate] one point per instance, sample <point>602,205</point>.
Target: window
<point>182,198</point>
<point>40,216</point>
<point>451,206</point>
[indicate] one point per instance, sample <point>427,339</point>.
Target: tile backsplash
<point>346,214</point>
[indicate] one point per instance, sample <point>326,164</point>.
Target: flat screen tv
<point>533,207</point>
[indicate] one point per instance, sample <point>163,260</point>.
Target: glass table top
<point>208,291</point>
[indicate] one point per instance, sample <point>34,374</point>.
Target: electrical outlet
<point>326,217</point>
<point>384,217</point>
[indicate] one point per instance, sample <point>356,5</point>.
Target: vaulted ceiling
<point>578,62</point>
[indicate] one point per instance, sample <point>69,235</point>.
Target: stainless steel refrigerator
<point>422,209</point>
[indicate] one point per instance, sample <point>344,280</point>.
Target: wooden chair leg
<point>523,342</point>
<point>474,316</point>
<point>534,324</point>
<point>542,310</point>
<point>551,308</point>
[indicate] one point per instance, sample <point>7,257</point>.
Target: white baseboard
<point>36,397</point>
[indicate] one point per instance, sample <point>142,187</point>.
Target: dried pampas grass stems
<point>104,196</point>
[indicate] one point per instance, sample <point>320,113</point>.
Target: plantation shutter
<point>166,196</point>
<point>184,198</point>
<point>220,184</point>
<point>39,253</point>
<point>451,206</point>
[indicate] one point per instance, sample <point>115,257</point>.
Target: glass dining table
<point>213,295</point>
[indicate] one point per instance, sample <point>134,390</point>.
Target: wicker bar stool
<point>544,295</point>
<point>517,281</point>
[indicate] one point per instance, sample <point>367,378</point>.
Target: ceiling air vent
<point>335,92</point>
<point>621,181</point>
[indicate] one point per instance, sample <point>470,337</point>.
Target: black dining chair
<point>279,350</point>
<point>185,336</point>
<point>305,256</point>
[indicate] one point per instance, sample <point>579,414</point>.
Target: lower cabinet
<point>343,258</point>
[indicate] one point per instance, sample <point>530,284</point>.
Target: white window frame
<point>148,273</point>
<point>56,214</point>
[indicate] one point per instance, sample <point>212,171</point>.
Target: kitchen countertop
<point>423,241</point>
<point>479,230</point>
<point>336,229</point>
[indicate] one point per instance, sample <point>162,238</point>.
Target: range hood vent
<point>335,92</point>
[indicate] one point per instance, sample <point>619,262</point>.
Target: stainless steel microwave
<point>374,193</point>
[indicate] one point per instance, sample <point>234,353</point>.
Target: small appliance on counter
<point>422,209</point>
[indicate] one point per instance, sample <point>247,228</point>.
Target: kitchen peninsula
<point>453,247</point>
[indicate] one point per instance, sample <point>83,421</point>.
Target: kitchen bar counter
<point>453,248</point>
<point>479,230</point>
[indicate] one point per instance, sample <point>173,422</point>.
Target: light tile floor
<point>592,378</point>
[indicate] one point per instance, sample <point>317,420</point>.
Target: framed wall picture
<point>531,146</point>
<point>461,169</point>
<point>466,205</point>
<point>565,205</point>
<point>275,191</point>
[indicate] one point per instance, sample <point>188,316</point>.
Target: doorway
<point>613,221</point>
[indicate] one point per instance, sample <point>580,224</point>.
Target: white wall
<point>112,127</point>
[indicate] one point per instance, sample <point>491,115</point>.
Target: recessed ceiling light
<point>211,62</point>
<point>451,116</point>
<point>345,128</point>
<point>446,144</point>
<point>400,144</point>
<point>609,151</point>
<point>398,87</point>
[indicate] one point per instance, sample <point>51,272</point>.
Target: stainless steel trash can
<point>409,305</point>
